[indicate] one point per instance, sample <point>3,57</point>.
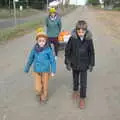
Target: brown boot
<point>82,103</point>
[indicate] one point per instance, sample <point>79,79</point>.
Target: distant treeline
<point>38,4</point>
<point>114,3</point>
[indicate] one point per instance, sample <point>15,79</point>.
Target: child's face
<point>81,32</point>
<point>41,41</point>
<point>52,14</point>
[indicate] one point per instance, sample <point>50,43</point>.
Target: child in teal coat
<point>53,25</point>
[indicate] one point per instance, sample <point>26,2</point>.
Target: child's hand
<point>52,74</point>
<point>26,70</point>
<point>68,67</point>
<point>90,68</point>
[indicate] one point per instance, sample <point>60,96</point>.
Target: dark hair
<point>81,24</point>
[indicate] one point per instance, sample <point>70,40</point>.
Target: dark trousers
<point>55,42</point>
<point>82,82</point>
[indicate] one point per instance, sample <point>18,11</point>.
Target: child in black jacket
<point>79,55</point>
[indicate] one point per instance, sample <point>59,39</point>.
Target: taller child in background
<point>79,55</point>
<point>53,25</point>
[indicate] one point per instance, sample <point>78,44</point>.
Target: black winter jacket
<point>79,54</point>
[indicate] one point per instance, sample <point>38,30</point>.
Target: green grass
<point>117,8</point>
<point>19,30</point>
<point>6,13</point>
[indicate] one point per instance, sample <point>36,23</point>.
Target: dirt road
<point>17,97</point>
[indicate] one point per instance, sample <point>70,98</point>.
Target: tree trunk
<point>27,3</point>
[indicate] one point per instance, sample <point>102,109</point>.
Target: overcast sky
<point>79,2</point>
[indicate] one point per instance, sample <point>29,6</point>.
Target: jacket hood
<point>40,49</point>
<point>54,18</point>
<point>88,35</point>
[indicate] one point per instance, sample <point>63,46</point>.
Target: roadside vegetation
<point>20,30</point>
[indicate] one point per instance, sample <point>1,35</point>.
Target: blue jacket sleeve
<point>52,61</point>
<point>30,61</point>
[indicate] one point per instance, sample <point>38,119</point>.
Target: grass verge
<point>19,30</point>
<point>116,9</point>
<point>6,13</point>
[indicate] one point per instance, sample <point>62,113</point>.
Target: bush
<point>37,4</point>
<point>93,2</point>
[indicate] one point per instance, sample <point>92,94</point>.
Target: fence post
<point>14,5</point>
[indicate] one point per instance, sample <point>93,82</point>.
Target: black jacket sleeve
<point>68,51</point>
<point>91,53</point>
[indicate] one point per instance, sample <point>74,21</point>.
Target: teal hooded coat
<point>53,26</point>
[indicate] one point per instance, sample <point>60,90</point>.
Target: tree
<point>4,2</point>
<point>112,3</point>
<point>38,4</point>
<point>117,3</point>
<point>93,2</point>
<point>25,3</point>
